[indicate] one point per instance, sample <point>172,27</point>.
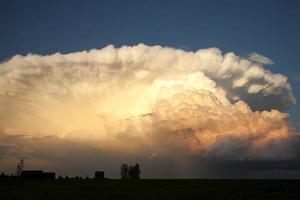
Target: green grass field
<point>151,189</point>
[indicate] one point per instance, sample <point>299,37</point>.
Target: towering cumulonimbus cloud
<point>156,99</point>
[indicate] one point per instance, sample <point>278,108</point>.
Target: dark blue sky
<point>268,27</point>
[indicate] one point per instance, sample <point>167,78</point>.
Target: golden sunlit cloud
<point>151,98</point>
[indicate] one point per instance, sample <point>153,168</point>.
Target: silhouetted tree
<point>134,172</point>
<point>19,168</point>
<point>131,172</point>
<point>137,171</point>
<point>124,171</point>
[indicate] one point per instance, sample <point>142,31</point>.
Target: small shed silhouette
<point>99,175</point>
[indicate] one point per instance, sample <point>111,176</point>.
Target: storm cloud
<point>144,103</point>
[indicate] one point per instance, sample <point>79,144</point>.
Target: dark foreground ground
<point>151,189</point>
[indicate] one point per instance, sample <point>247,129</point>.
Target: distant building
<point>99,175</point>
<point>37,174</point>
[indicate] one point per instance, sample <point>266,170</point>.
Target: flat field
<point>151,189</point>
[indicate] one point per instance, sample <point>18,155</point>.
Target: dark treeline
<point>127,172</point>
<point>17,174</point>
<point>7,176</point>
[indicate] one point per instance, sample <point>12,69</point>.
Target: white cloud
<point>150,100</point>
<point>255,57</point>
